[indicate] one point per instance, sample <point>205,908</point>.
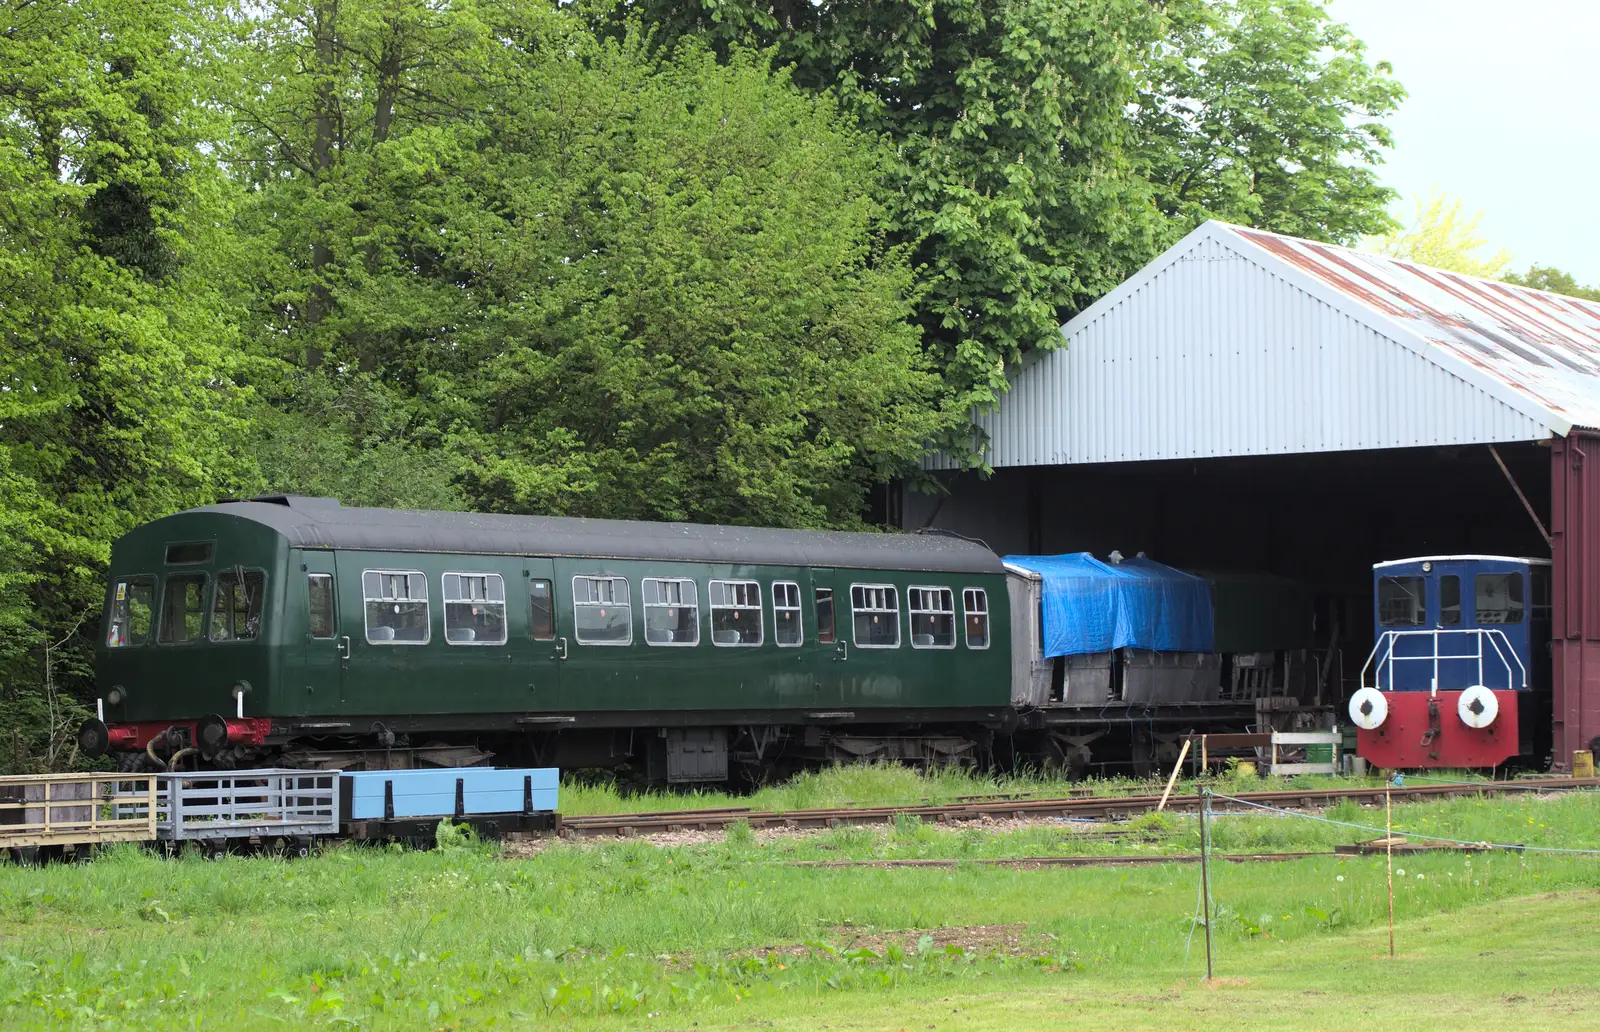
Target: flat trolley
<point>294,807</point>
<point>72,810</point>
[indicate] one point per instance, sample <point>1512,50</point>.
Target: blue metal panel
<point>432,793</point>
<point>1468,650</point>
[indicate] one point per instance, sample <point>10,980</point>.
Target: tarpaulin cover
<point>1091,606</point>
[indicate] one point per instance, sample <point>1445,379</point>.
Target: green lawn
<point>631,935</point>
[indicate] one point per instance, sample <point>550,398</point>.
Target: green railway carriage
<point>296,629</point>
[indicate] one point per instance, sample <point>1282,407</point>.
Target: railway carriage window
<point>542,595</point>
<point>1499,598</point>
<point>786,628</point>
<point>1402,601</point>
<point>319,604</point>
<point>183,608</point>
<point>975,604</point>
<point>187,552</point>
<point>236,609</point>
<point>396,607</point>
<point>671,611</point>
<point>875,609</point>
<point>133,601</point>
<point>735,613</point>
<point>602,613</point>
<point>933,618</point>
<point>1450,601</point>
<point>474,609</point>
<point>825,630</point>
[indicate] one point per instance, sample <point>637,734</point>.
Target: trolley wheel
<point>301,847</point>
<point>214,850</point>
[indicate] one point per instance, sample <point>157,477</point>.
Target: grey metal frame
<point>207,805</point>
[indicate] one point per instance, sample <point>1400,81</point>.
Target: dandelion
<point>1339,878</point>
<point>1401,872</point>
<point>1419,876</point>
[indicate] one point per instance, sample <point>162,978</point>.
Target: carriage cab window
<point>133,605</point>
<point>183,608</point>
<point>735,613</point>
<point>1402,601</point>
<point>975,604</point>
<point>236,610</point>
<point>786,629</point>
<point>396,607</point>
<point>602,611</point>
<point>474,609</point>
<point>671,611</point>
<point>1498,598</point>
<point>875,609</point>
<point>933,618</point>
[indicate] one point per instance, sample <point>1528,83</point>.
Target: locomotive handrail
<point>1495,637</point>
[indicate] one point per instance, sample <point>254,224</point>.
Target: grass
<point>887,785</point>
<point>630,934</point>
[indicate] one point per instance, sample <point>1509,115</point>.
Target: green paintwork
<point>294,675</point>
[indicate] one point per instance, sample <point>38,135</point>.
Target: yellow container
<point>1583,764</point>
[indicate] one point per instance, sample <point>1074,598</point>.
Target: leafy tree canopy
<point>1547,277</point>
<point>582,277</point>
<point>1443,237</point>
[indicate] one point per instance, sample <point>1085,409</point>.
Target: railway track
<point>1072,807</point>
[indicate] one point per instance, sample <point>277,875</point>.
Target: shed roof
<point>324,523</point>
<point>1241,342</point>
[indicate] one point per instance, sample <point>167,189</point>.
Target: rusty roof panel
<point>1544,346</point>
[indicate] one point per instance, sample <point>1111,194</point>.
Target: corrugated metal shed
<point>1240,342</point>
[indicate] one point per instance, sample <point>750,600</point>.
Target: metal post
<point>1205,868</point>
<point>1388,849</point>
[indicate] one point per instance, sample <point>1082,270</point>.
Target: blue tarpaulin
<point>1091,606</point>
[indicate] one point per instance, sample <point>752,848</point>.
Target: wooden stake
<point>1205,870</point>
<point>1176,767</point>
<point>1388,849</point>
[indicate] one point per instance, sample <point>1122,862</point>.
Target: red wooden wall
<point>1575,545</point>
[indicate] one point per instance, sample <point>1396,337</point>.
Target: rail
<point>76,809</point>
<point>1383,653</point>
<point>1070,808</point>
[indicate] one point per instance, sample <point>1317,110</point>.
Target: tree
<point>1010,181</point>
<point>1442,237</point>
<point>117,399</point>
<point>1547,277</point>
<point>580,278</point>
<point>1266,113</point>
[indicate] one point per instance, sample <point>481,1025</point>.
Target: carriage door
<point>828,637</point>
<point>327,643</point>
<point>544,640</point>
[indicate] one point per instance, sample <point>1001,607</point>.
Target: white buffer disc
<point>1368,708</point>
<point>1478,707</point>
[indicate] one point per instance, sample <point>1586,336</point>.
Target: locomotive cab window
<point>975,605</point>
<point>1498,598</point>
<point>933,618</point>
<point>671,611</point>
<point>786,629</point>
<point>474,608</point>
<point>541,594</point>
<point>1449,600</point>
<point>133,604</point>
<point>1402,601</point>
<point>236,609</point>
<point>396,607</point>
<point>602,611</point>
<point>319,604</point>
<point>183,608</point>
<point>735,613</point>
<point>825,627</point>
<point>875,611</point>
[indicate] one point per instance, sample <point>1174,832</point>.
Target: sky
<point>1503,112</point>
